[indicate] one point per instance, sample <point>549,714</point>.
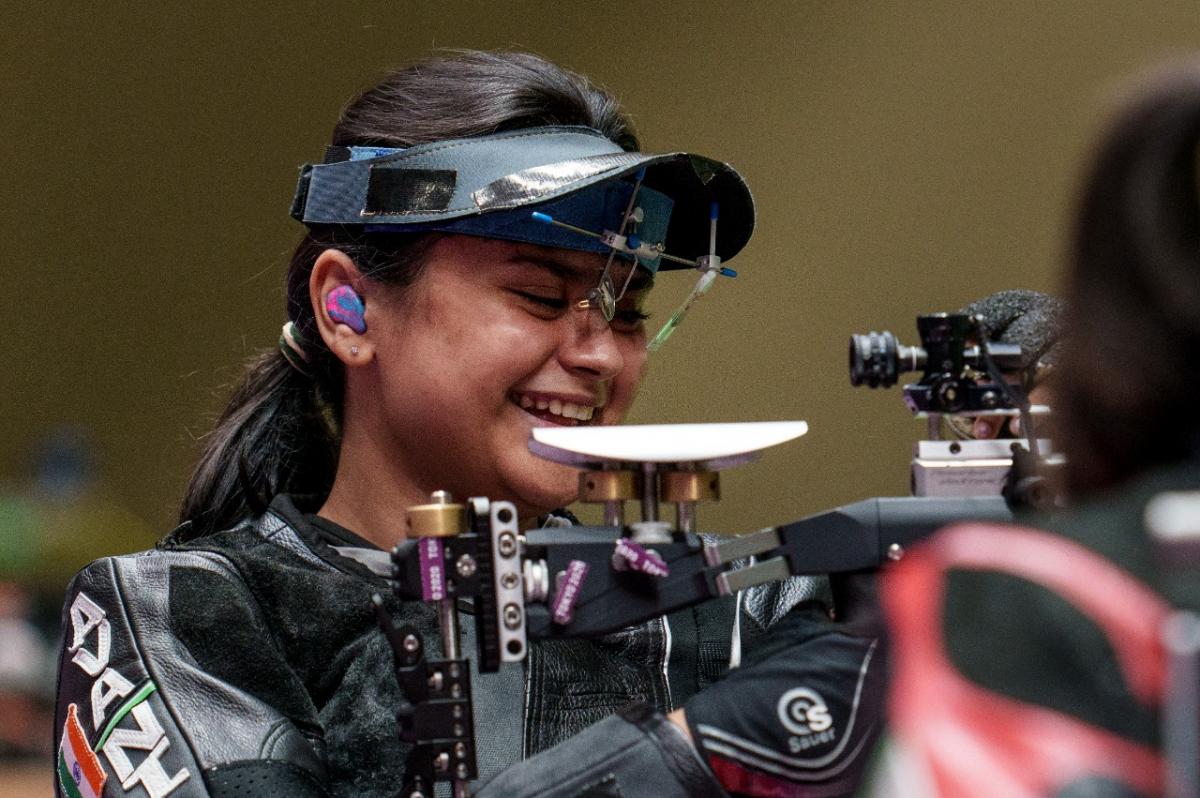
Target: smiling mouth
<point>554,411</point>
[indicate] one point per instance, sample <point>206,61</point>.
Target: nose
<point>589,344</point>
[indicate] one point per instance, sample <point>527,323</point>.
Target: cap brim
<point>431,185</point>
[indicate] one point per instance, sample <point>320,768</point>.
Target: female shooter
<point>433,321</point>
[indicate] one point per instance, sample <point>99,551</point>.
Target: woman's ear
<point>335,290</point>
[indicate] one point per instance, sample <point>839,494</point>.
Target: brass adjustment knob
<point>441,518</point>
<point>609,486</point>
<point>689,486</point>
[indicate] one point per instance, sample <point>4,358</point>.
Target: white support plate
<point>662,443</point>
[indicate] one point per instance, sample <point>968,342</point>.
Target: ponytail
<point>279,434</point>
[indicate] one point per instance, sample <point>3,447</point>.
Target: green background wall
<point>906,157</point>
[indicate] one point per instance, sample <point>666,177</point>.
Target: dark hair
<point>1128,376</point>
<point>280,432</point>
<point>1030,319</point>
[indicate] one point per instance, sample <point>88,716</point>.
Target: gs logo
<point>803,711</point>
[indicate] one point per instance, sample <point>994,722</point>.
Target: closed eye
<point>629,319</point>
<point>624,320</point>
<point>549,302</point>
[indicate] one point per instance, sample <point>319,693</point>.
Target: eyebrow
<point>642,279</point>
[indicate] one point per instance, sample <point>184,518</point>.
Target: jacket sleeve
<point>636,753</point>
<point>141,704</point>
<point>800,717</point>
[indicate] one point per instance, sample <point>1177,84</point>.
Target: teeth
<point>558,407</point>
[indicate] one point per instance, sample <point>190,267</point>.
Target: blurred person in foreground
<point>1030,662</point>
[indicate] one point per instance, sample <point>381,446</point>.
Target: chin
<point>545,487</point>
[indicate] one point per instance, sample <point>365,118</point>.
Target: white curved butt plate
<point>662,443</point>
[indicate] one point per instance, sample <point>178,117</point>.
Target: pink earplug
<point>344,305</point>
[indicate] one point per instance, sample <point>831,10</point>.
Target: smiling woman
<point>480,237</point>
<point>489,343</point>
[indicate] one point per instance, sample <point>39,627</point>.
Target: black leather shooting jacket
<point>249,662</point>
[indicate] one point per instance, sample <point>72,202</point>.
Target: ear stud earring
<point>354,351</point>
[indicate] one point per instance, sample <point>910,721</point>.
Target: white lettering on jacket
<point>86,615</point>
<point>110,685</point>
<point>118,687</point>
<point>149,736</point>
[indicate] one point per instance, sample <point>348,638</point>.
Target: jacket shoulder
<point>156,680</point>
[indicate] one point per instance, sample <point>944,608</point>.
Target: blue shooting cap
<point>492,185</point>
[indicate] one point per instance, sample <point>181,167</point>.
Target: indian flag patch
<point>79,769</point>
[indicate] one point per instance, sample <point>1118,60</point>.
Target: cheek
<point>625,385</point>
<point>481,343</point>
